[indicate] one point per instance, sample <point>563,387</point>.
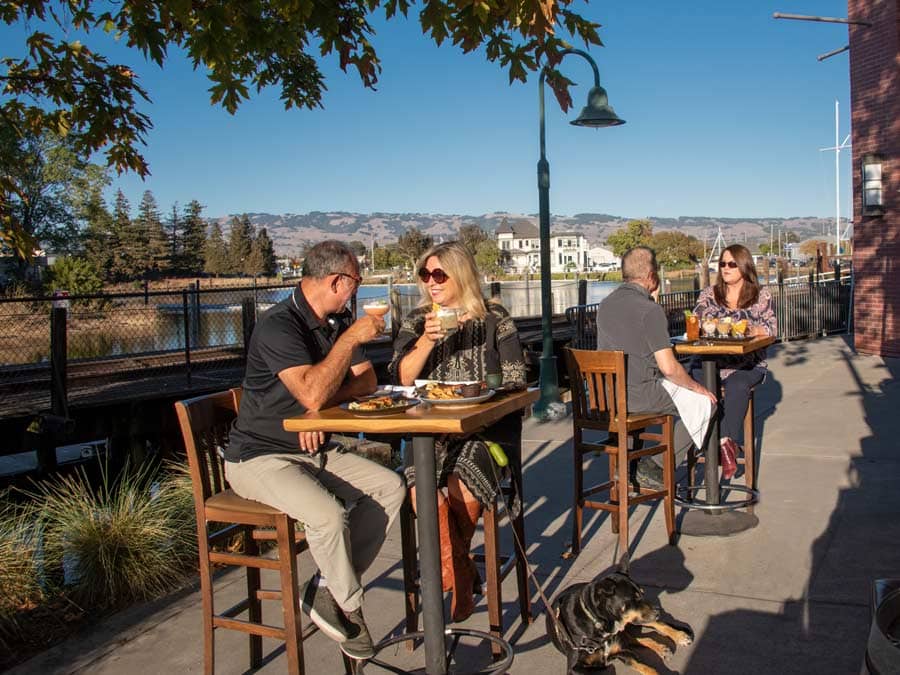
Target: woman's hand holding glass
<point>433,330</point>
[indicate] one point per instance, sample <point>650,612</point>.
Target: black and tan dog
<point>590,625</point>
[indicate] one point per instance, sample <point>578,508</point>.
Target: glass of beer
<point>449,318</point>
<point>692,327</point>
<point>376,307</point>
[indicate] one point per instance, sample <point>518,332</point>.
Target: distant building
<point>603,258</point>
<point>520,249</point>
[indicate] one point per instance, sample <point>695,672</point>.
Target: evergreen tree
<point>172,226</point>
<point>123,264</point>
<point>472,236</point>
<point>97,234</point>
<point>99,247</point>
<point>215,252</point>
<point>240,243</point>
<point>149,228</point>
<point>262,256</point>
<point>193,238</point>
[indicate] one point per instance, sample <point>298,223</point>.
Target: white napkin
<point>694,409</point>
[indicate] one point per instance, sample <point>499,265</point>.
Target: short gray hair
<point>328,257</point>
<point>638,263</point>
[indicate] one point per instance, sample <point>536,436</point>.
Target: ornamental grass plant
<point>126,539</point>
<point>19,574</point>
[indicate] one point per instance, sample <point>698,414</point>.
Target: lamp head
<point>598,112</point>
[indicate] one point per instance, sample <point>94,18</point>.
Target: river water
<point>220,315</point>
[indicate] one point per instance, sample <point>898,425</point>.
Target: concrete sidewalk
<point>790,596</point>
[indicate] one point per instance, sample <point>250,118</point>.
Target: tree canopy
<point>635,233</point>
<point>60,82</point>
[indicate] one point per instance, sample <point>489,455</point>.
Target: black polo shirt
<point>629,320</point>
<point>287,335</point>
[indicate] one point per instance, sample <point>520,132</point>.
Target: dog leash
<point>585,644</point>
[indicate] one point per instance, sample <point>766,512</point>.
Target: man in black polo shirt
<point>630,320</point>
<point>306,354</point>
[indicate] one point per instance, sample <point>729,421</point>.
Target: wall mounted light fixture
<point>872,183</point>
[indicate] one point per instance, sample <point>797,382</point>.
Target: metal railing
<point>804,309</point>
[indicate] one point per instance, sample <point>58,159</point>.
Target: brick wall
<point>875,104</point>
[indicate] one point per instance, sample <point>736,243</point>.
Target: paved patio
<point>790,596</point>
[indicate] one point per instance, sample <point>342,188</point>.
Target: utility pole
<point>838,146</point>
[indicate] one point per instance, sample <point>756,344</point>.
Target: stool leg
<point>410,584</point>
<point>492,573</point>
<point>749,449</point>
<point>749,446</point>
<point>613,492</point>
<point>622,488</point>
<point>206,595</point>
<point>254,607</point>
<point>290,594</point>
<point>518,525</point>
<point>669,478</point>
<point>578,499</point>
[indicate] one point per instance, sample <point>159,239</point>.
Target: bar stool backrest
<point>598,385</point>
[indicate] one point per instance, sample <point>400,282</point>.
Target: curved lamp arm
<point>543,77</point>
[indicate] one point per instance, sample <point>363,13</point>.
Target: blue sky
<point>726,110</point>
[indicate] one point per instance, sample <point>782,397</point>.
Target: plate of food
<point>453,393</point>
<point>376,406</point>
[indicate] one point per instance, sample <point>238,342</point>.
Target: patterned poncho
<point>477,348</point>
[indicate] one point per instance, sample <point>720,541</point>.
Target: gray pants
<point>654,398</point>
<point>346,508</point>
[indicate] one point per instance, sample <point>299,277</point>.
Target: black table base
<point>714,517</point>
<point>699,524</point>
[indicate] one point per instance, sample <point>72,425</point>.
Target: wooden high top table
<point>712,517</point>
<point>424,422</point>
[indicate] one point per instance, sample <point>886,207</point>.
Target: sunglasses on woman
<point>727,263</point>
<point>439,275</point>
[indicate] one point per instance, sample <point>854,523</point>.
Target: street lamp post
<point>597,113</point>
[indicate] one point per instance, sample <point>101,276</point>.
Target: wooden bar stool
<point>496,566</point>
<point>599,403</point>
<point>205,422</point>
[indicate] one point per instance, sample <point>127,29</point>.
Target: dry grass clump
<point>131,538</point>
<point>19,574</point>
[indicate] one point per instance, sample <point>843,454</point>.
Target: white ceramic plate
<point>471,400</point>
<point>401,405</point>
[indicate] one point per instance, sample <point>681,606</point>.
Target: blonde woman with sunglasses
<point>485,341</point>
<point>737,295</point>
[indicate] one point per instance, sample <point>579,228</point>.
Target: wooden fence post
<point>248,322</point>
<point>779,278</point>
<point>59,404</point>
<point>186,319</point>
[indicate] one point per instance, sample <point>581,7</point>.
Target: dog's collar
<point>593,617</point>
<point>585,644</point>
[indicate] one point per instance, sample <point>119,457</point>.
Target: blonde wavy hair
<point>459,265</point>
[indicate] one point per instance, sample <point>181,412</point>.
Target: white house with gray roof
<point>520,248</point>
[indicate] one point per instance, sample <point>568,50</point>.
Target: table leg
<point>701,522</point>
<point>429,555</point>
<point>711,382</point>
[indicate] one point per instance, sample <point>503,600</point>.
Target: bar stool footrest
<point>499,665</point>
<point>689,502</point>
